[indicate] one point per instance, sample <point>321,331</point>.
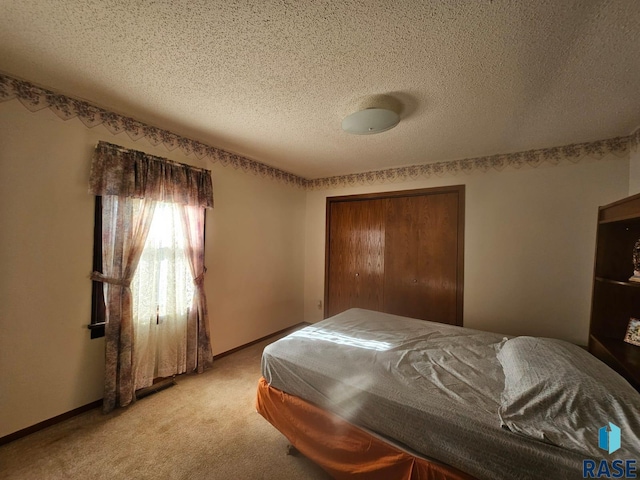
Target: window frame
<point>98,307</point>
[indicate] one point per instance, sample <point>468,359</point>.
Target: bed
<point>370,395</point>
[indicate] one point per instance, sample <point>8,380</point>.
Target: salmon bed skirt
<point>342,449</point>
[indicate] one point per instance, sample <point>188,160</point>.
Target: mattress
<point>428,387</point>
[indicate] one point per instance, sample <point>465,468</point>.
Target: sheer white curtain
<point>163,292</point>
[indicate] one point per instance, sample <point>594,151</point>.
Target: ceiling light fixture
<point>370,121</point>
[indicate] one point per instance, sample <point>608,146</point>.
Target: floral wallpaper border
<point>35,98</point>
<point>634,140</point>
<point>530,158</point>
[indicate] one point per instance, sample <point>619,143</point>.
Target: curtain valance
<point>124,172</point>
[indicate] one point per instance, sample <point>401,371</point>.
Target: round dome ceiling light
<point>370,121</point>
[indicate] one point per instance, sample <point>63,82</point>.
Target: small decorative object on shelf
<point>636,263</point>
<point>633,332</point>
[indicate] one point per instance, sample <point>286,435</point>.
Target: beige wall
<point>528,255</point>
<point>634,167</point>
<point>529,244</point>
<point>48,364</point>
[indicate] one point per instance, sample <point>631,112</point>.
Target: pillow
<point>559,393</point>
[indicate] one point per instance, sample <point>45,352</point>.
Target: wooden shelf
<point>625,357</point>
<point>625,209</point>
<point>615,299</point>
<point>618,282</point>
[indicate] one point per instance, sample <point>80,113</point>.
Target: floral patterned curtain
<point>132,183</point>
<point>129,173</point>
<point>125,226</point>
<point>199,355</point>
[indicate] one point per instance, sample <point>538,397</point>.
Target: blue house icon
<point>609,438</point>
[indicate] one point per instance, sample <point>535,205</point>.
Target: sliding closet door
<point>397,252</point>
<point>355,268</point>
<point>421,257</point>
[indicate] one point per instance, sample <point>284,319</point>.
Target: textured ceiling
<point>272,80</point>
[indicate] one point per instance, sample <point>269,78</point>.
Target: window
<point>162,291</point>
<point>149,268</point>
<point>163,286</point>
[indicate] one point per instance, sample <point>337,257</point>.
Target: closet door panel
<point>356,255</point>
<point>421,257</point>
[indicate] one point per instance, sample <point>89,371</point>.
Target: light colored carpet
<point>205,427</point>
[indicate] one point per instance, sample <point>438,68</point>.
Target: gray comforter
<point>432,388</point>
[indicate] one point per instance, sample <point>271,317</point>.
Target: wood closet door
<point>355,269</point>
<point>421,257</point>
<point>397,252</point>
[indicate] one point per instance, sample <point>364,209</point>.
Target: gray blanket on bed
<point>430,387</point>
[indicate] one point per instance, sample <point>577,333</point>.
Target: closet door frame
<point>457,189</point>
